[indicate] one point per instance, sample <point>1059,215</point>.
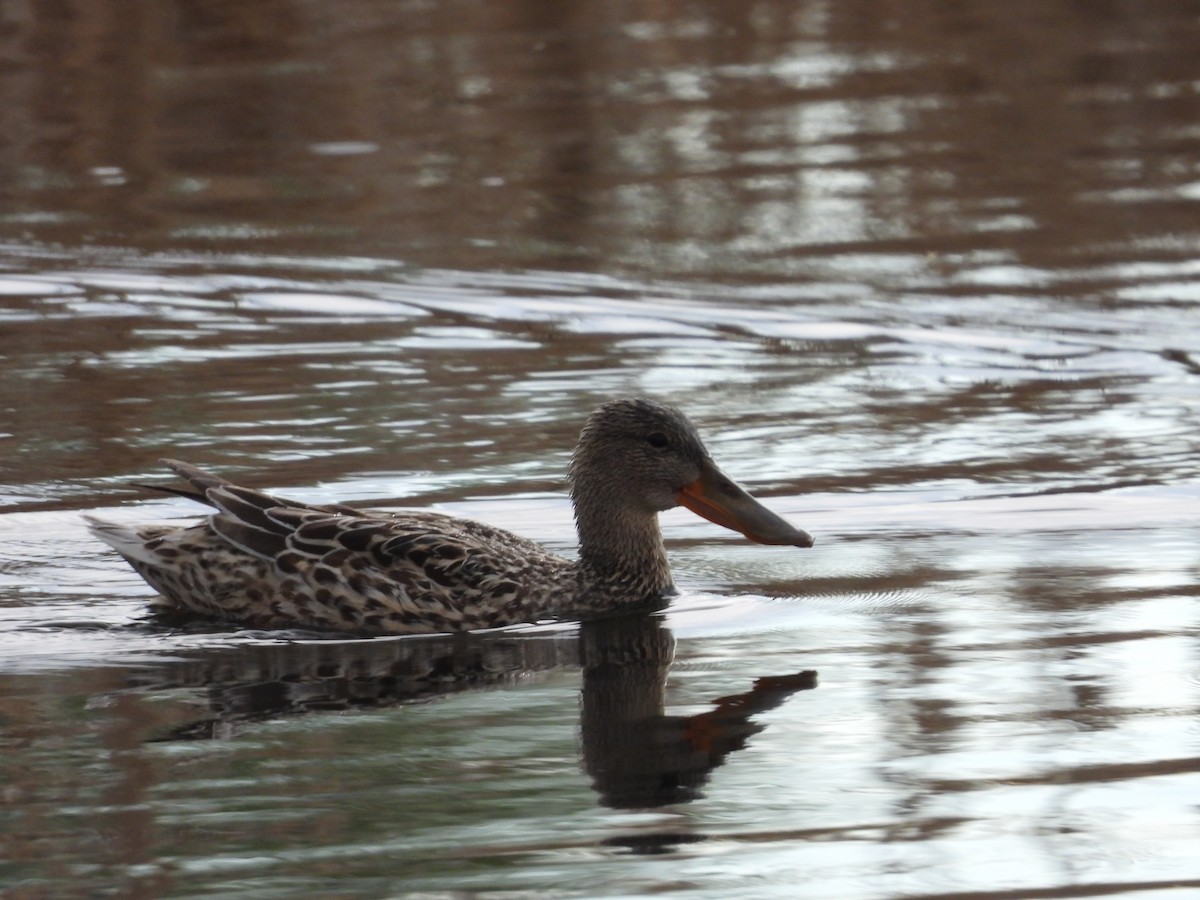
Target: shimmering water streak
<point>926,282</point>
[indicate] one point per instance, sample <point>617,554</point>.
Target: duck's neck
<point>622,557</point>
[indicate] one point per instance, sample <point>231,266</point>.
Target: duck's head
<point>642,457</point>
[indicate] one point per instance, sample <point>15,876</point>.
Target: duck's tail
<point>132,541</point>
<point>140,542</point>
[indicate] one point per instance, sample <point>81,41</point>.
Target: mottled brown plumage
<point>271,563</point>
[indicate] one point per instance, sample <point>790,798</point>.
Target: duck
<point>266,562</point>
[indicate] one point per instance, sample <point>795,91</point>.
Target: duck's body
<point>270,562</point>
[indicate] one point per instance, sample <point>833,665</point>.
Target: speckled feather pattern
<point>270,562</point>
<point>373,573</point>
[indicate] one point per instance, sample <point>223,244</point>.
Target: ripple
<point>36,287</point>
<point>326,304</point>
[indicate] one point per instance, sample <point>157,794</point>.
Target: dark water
<point>926,276</point>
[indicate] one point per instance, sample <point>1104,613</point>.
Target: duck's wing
<point>410,571</point>
<point>201,481</point>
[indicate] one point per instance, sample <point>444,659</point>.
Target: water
<point>927,284</point>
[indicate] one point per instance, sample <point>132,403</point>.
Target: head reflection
<point>638,756</point>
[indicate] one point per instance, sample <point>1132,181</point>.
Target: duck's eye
<point>657,440</point>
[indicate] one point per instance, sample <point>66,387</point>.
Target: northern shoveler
<point>269,562</point>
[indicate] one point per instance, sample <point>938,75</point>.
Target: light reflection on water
<point>350,369</point>
<point>932,301</point>
<point>1003,627</point>
<point>999,675</point>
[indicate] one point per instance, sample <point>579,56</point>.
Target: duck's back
<point>268,562</point>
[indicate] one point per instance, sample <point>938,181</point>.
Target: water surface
<point>927,283</point>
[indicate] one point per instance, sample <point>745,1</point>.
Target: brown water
<point>927,277</point>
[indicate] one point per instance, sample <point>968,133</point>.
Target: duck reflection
<point>256,682</point>
<point>636,755</point>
